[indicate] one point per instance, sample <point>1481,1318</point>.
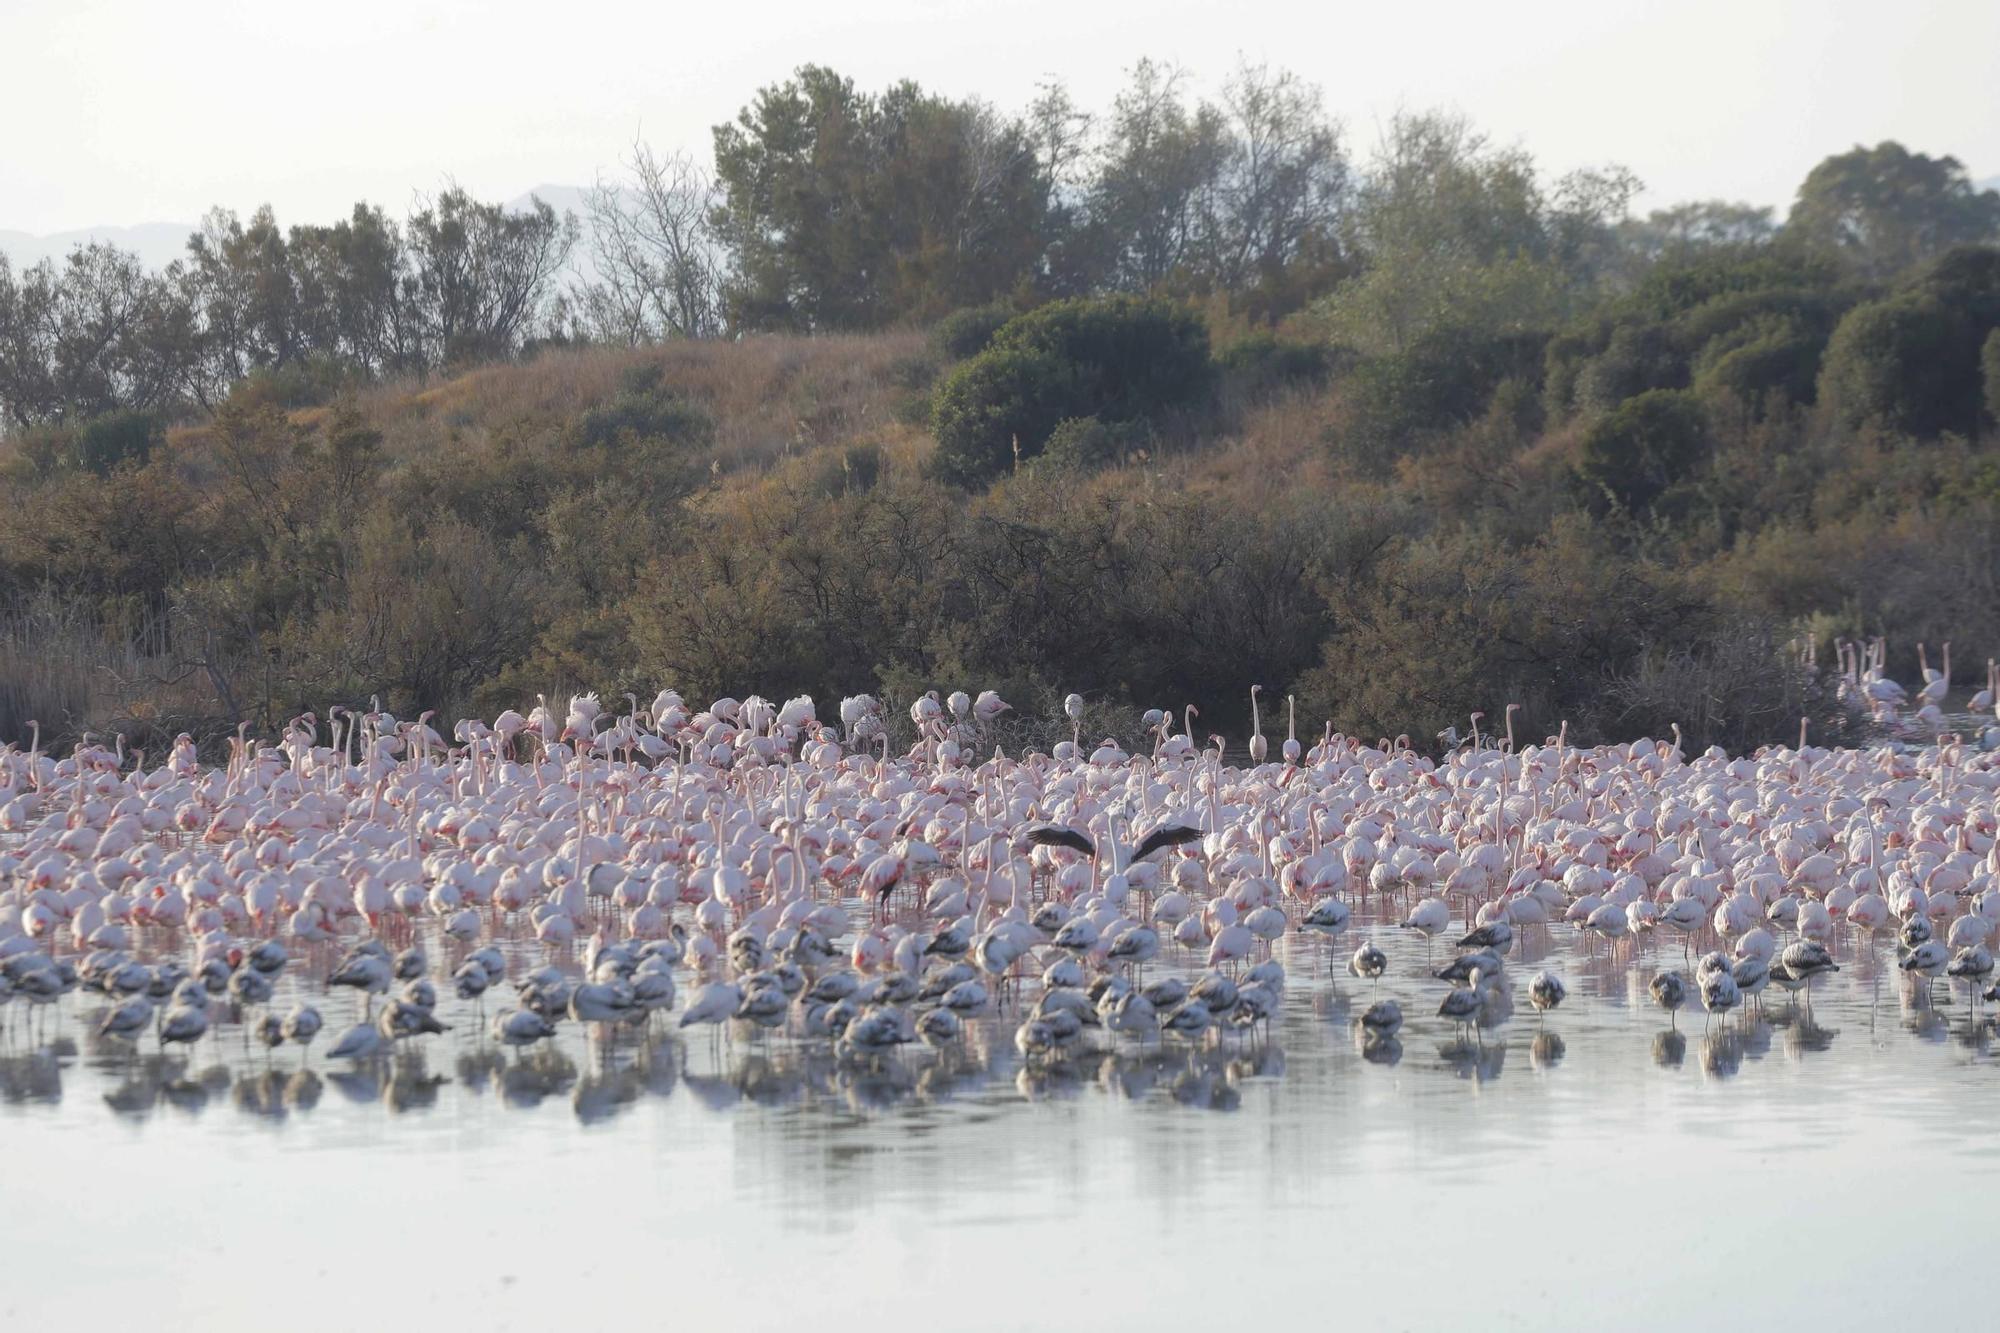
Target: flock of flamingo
<point>754,870</point>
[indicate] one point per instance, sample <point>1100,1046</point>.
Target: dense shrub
<point>1771,354</point>
<point>1263,362</point>
<point>1120,359</point>
<point>105,442</point>
<point>1443,379</point>
<point>966,333</point>
<point>311,381</point>
<point>1638,358</point>
<point>1085,444</point>
<point>1989,366</point>
<point>643,413</point>
<point>1909,363</point>
<point>1647,444</point>
<point>1572,627</point>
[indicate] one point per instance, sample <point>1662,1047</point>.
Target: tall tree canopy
<point>1886,208</point>
<point>847,210</point>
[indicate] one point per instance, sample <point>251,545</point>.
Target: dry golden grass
<point>1282,445</point>
<point>770,397</point>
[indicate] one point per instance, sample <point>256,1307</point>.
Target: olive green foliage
<point>1085,444</point>
<point>1570,625</point>
<point>643,415</point>
<point>1641,448</point>
<point>1910,361</point>
<point>1473,437</point>
<point>965,333</point>
<point>1443,378</point>
<point>1906,363</point>
<point>1883,209</point>
<point>1262,363</point>
<point>105,442</point>
<point>1989,368</point>
<point>1118,359</point>
<point>287,316</point>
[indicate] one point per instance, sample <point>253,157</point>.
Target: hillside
<point>1122,406</point>
<point>763,514</point>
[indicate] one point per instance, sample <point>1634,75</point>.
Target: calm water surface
<point>1594,1169</point>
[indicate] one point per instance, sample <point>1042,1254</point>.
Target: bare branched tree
<point>658,266</point>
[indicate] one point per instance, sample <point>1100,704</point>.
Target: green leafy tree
<point>483,275</point>
<point>96,333</point>
<point>1452,230</point>
<point>842,210</point>
<point>1160,163</point>
<point>1884,209</point>
<point>1702,225</point>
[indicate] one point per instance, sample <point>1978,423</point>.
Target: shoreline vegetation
<point>898,393</point>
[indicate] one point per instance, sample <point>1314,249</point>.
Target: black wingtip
<point>1056,835</point>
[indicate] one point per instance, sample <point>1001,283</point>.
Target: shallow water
<point>1594,1167</point>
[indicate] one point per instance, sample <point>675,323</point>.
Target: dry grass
<point>61,670</point>
<point>1281,446</point>
<point>770,397</point>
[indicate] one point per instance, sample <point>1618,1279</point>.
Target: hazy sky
<point>129,111</point>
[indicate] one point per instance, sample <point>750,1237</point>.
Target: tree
<point>1281,193</point>
<point>91,335</point>
<point>1151,202</point>
<point>358,293</point>
<point>1884,209</point>
<point>1700,225</point>
<point>1909,362</point>
<point>659,270</point>
<point>483,276</point>
<point>842,210</point>
<point>1449,229</point>
<point>241,279</point>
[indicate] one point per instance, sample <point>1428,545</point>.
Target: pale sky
<point>121,112</point>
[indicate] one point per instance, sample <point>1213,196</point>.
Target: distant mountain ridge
<point>160,243</point>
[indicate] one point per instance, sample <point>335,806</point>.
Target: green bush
<point>1638,357</point>
<point>105,442</point>
<point>1121,359</point>
<point>1443,379</point>
<point>1643,446</point>
<point>1968,280</point>
<point>1262,362</point>
<point>649,415</point>
<point>1909,363</point>
<point>1085,444</point>
<point>1989,365</point>
<point>966,333</point>
<point>1771,354</point>
<point>1729,313</point>
<point>312,381</point>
